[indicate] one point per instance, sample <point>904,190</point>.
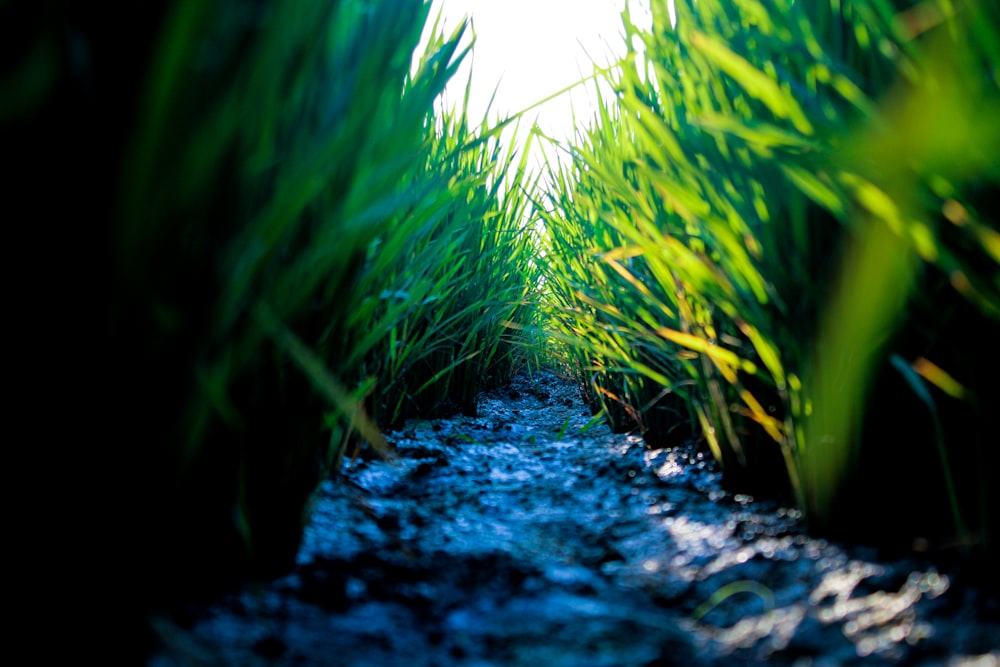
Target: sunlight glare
<point>529,49</point>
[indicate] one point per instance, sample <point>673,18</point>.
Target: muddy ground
<point>522,538</point>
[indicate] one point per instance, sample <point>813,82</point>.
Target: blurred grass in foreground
<point>783,229</point>
<point>284,246</point>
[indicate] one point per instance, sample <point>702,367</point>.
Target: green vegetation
<point>360,265</point>
<point>783,230</point>
<point>780,235</point>
<point>303,250</point>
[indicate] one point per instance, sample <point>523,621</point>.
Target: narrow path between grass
<point>522,537</point>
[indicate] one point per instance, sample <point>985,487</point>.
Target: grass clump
<point>759,232</point>
<point>444,293</point>
<point>284,245</point>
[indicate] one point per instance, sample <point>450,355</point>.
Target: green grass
<point>761,219</point>
<point>303,247</point>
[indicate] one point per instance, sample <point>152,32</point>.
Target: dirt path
<point>515,539</point>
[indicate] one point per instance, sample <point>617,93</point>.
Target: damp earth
<point>529,535</point>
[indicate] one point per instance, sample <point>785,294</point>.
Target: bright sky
<point>534,48</point>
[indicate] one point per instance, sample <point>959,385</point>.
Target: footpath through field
<point>521,537</point>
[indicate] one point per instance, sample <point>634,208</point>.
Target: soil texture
<point>531,535</point>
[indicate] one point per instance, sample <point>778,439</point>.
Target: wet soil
<point>522,537</point>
